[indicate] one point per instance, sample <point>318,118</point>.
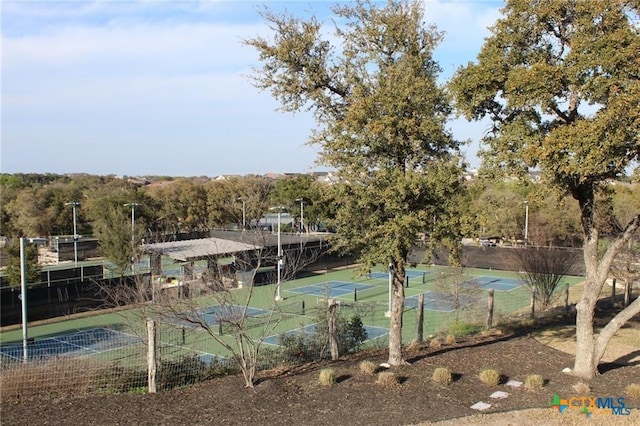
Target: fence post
<point>627,293</point>
<point>333,341</point>
<point>533,302</point>
<point>566,299</point>
<point>420,330</point>
<point>151,355</point>
<point>490,310</point>
<point>613,293</point>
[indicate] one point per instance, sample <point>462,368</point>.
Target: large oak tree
<point>381,119</point>
<point>561,82</point>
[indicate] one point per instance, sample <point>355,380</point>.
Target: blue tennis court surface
<point>408,273</point>
<point>331,289</point>
<point>443,302</point>
<point>81,343</point>
<point>500,284</point>
<point>372,333</point>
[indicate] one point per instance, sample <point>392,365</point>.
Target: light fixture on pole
<point>526,222</point>
<point>388,313</point>
<point>74,205</point>
<point>244,213</point>
<point>301,201</point>
<point>280,262</point>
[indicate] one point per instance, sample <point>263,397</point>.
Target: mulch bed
<point>294,397</point>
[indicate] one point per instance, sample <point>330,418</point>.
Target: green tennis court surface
<point>410,273</point>
<point>331,289</point>
<point>216,314</point>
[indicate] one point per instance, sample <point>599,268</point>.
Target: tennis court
<point>372,333</point>
<point>81,343</point>
<point>410,273</point>
<point>442,302</point>
<point>500,284</point>
<point>331,289</point>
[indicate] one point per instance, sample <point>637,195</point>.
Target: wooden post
<point>566,299</point>
<point>533,302</point>
<point>627,293</point>
<point>420,326</point>
<point>490,310</point>
<point>333,325</point>
<point>151,355</point>
<point>613,293</point>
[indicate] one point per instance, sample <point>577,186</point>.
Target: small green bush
<point>534,382</point>
<point>327,377</point>
<point>462,329</point>
<point>442,375</point>
<point>368,367</point>
<point>490,376</point>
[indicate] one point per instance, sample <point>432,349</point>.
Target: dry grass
<point>368,367</point>
<point>387,378</point>
<point>534,382</point>
<point>442,375</point>
<point>55,377</point>
<point>435,343</point>
<point>450,339</point>
<point>633,390</point>
<point>490,376</point>
<point>327,377</point>
<point>582,388</point>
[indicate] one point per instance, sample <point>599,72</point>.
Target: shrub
<point>442,375</point>
<point>533,382</point>
<point>368,367</point>
<point>387,378</point>
<point>633,390</point>
<point>582,388</point>
<point>490,376</point>
<point>462,329</point>
<point>327,377</point>
<point>450,339</point>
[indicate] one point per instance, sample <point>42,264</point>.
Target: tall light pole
<point>388,313</point>
<point>133,219</point>
<point>74,204</point>
<point>301,201</point>
<point>526,222</point>
<point>278,209</point>
<point>23,296</point>
<point>244,213</point>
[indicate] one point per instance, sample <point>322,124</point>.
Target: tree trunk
<point>590,348</point>
<point>397,309</point>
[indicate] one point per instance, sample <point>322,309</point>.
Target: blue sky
<point>162,88</point>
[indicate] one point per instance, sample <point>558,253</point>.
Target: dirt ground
<point>295,397</point>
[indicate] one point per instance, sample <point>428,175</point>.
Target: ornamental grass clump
<point>327,377</point>
<point>442,375</point>
<point>582,388</point>
<point>368,367</point>
<point>633,390</point>
<point>490,376</point>
<point>533,382</point>
<point>387,378</point>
